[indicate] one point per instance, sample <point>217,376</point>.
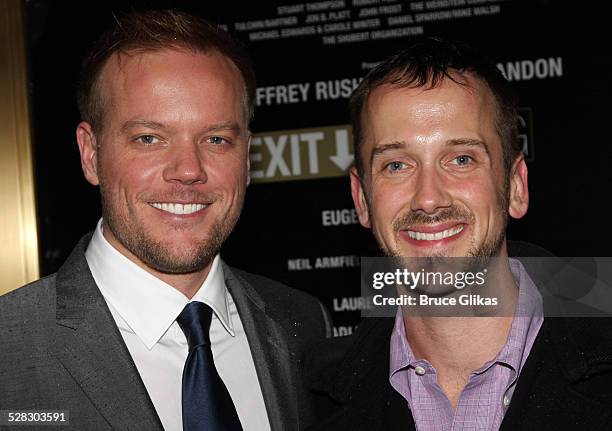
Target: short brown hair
<point>156,30</point>
<point>426,63</point>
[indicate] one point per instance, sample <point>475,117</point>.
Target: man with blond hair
<point>144,326</point>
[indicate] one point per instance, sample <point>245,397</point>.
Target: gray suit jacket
<point>61,350</point>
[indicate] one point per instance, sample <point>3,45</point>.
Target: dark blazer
<point>61,350</point>
<point>566,383</point>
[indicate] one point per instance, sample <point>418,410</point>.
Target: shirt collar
<point>527,320</point>
<point>401,355</point>
<point>147,304</point>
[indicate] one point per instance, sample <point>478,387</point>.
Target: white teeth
<point>179,208</point>
<point>422,236</point>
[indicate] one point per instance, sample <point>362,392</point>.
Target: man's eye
<point>463,160</point>
<point>217,140</point>
<point>147,139</point>
<point>395,166</point>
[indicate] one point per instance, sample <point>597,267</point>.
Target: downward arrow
<point>343,158</point>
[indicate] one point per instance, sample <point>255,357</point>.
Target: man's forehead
<point>390,105</point>
<point>140,70</point>
<point>116,68</point>
<point>455,112</point>
<point>465,84</point>
<point>124,61</point>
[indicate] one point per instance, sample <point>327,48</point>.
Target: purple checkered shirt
<point>485,398</point>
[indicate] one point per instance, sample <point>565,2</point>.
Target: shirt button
<point>420,371</point>
<point>506,401</point>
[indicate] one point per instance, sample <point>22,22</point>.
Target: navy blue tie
<point>207,404</point>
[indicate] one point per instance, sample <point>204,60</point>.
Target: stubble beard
<point>157,255</point>
<point>477,257</point>
<point>481,253</point>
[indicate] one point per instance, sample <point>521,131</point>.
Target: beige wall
<point>18,235</point>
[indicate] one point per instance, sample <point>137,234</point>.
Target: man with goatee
<point>439,171</point>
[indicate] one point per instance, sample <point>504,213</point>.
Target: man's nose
<point>185,165</point>
<point>430,195</point>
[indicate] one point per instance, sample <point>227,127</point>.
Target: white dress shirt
<point>145,310</point>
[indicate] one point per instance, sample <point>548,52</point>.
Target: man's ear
<point>359,198</point>
<point>89,152</point>
<point>248,158</point>
<point>519,190</point>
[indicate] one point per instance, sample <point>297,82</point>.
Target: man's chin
<point>175,256</point>
<point>172,263</point>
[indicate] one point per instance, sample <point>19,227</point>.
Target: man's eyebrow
<point>141,123</point>
<point>229,125</point>
<point>468,142</point>
<point>380,149</point>
<point>398,145</point>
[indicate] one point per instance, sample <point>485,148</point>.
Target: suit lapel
<point>89,346</point>
<point>361,381</point>
<point>546,396</point>
<point>272,355</point>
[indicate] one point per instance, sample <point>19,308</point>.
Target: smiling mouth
<point>176,208</point>
<point>434,236</point>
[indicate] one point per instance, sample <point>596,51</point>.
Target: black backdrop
<point>297,225</point>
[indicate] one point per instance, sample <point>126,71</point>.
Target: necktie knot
<point>194,321</point>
